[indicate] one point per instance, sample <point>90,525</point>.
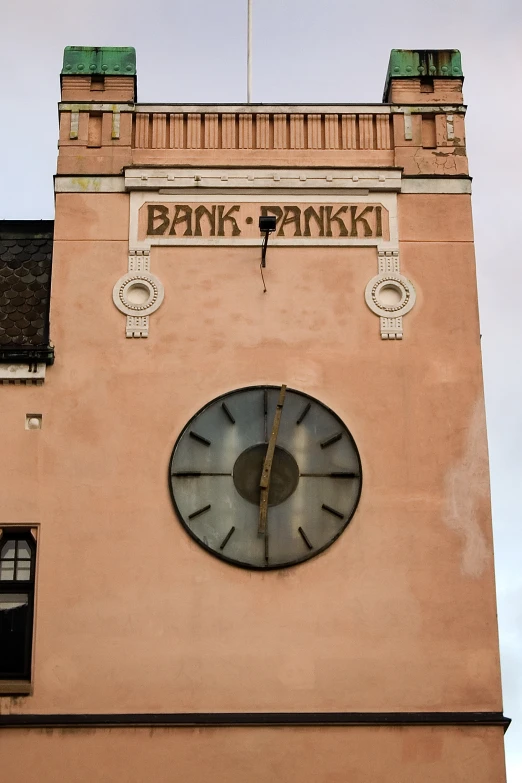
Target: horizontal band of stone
<point>254,719</point>
<point>252,108</point>
<point>225,180</point>
<point>289,178</point>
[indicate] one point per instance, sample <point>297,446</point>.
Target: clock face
<point>314,477</point>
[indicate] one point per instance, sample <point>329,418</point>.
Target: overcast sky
<point>327,51</point>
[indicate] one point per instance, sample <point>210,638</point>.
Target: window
<point>17,563</point>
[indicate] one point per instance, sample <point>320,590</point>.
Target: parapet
<point>419,127</point>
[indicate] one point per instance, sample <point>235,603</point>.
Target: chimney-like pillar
<point>98,85</point>
<point>424,88</point>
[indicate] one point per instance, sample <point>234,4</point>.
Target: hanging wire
<point>262,276</point>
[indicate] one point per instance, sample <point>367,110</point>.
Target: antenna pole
<point>249,53</point>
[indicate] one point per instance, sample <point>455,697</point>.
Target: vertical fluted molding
<point>348,132</point>
<point>194,131</point>
<point>331,131</point>
<point>245,131</point>
<point>366,141</point>
<point>159,131</point>
<point>142,131</point>
<point>297,132</point>
<point>280,131</point>
<point>383,131</point>
<point>262,131</point>
<point>314,132</point>
<point>211,131</point>
<point>228,131</point>
<point>176,132</point>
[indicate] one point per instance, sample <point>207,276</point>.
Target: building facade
<point>245,515</point>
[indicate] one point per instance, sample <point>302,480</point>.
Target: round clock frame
<point>315,477</point>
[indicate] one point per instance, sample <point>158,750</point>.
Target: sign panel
<point>224,218</point>
<point>229,220</point>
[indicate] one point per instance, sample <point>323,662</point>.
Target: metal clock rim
<point>221,556</point>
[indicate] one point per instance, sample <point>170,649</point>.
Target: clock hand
<point>264,482</point>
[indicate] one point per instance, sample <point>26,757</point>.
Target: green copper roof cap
<point>408,63</point>
<point>102,60</point>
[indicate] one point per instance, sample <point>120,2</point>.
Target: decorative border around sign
<point>140,197</point>
<point>357,187</point>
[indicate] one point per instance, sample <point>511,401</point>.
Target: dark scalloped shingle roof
<point>25,288</point>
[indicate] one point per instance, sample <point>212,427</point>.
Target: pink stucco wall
<point>133,617</point>
<point>398,615</point>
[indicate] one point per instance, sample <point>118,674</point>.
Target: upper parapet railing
<point>163,127</point>
<point>105,137</point>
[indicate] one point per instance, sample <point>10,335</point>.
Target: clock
<point>265,477</point>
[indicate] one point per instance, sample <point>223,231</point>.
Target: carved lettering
<point>201,212</point>
<point>222,218</point>
<point>378,221</point>
<point>310,213</point>
<point>360,217</point>
<point>343,231</point>
<point>357,221</point>
<point>292,215</point>
<point>157,213</point>
<point>182,214</point>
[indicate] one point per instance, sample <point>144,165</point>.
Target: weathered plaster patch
<point>87,184</point>
<point>304,372</point>
<point>467,494</point>
<point>435,162</point>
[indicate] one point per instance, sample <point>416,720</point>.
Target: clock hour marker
<point>225,540</point>
<point>304,412</point>
<point>335,474</point>
<point>200,438</point>
<point>333,511</point>
<point>200,511</point>
<point>333,439</point>
<point>265,412</point>
<point>195,474</point>
<point>227,413</point>
<point>305,538</point>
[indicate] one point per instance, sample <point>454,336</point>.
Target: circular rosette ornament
<point>390,295</point>
<point>138,293</point>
